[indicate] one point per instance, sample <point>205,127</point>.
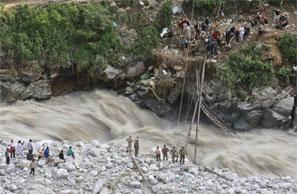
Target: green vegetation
<point>60,36</point>
<point>82,37</point>
<point>164,16</point>
<point>288,47</point>
<point>246,69</point>
<point>147,39</point>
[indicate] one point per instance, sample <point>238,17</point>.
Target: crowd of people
<point>35,153</point>
<point>210,35</point>
<point>18,151</point>
<point>158,151</point>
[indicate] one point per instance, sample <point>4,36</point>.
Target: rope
<point>183,88</point>
<point>160,99</point>
<point>199,107</point>
<point>194,114</point>
<point>186,69</point>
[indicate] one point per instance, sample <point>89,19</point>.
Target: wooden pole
<point>196,106</point>
<point>199,109</point>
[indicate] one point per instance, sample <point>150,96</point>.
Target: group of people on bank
<point>158,151</point>
<point>18,151</point>
<point>211,35</point>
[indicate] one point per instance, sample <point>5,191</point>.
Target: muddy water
<point>105,116</point>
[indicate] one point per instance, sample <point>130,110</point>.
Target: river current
<point>105,116</point>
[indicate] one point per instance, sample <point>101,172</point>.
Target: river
<point>108,117</point>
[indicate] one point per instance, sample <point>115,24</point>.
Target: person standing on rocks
<point>33,165</point>
<point>12,149</point>
<point>158,154</point>
<point>61,155</point>
<point>129,140</point>
<point>165,151</point>
<point>174,154</point>
<point>7,156</point>
<point>182,155</point>
<point>19,149</point>
<point>30,147</point>
<point>46,153</point>
<point>70,152</point>
<point>136,146</point>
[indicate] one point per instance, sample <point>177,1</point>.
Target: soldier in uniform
<point>136,146</point>
<point>129,140</point>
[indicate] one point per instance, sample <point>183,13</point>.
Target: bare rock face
<point>111,73</point>
<point>273,119</point>
<point>40,90</point>
<point>135,70</point>
<point>284,106</point>
<point>12,91</point>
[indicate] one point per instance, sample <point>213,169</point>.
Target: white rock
<point>2,172</point>
<point>109,165</point>
<point>91,152</point>
<point>80,179</point>
<point>69,166</point>
<point>135,184</point>
<point>94,173</point>
<point>13,187</point>
<point>98,187</point>
<point>41,163</point>
<point>11,168</point>
<point>86,163</point>
<point>152,180</point>
<point>154,167</point>
<point>193,170</point>
<point>72,182</point>
<point>62,173</point>
<point>163,188</point>
<point>68,191</point>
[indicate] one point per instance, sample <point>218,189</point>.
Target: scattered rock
<point>62,173</point>
<point>98,187</point>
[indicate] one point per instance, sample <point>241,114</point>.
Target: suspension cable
<point>186,69</point>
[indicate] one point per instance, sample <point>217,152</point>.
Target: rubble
<point>116,176</point>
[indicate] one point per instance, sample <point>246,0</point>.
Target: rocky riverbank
<point>107,168</point>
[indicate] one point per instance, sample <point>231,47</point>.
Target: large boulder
<point>245,107</point>
<point>242,125</point>
<point>111,72</point>
<point>284,106</point>
<point>62,173</point>
<point>29,77</point>
<point>253,117</point>
<point>40,90</point>
<point>98,187</point>
<point>272,119</point>
<point>161,108</point>
<point>135,70</point>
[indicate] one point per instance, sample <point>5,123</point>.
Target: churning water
<point>108,117</point>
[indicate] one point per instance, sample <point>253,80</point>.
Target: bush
<point>164,16</point>
<point>147,39</point>
<point>284,72</point>
<point>288,47</point>
<point>245,69</point>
